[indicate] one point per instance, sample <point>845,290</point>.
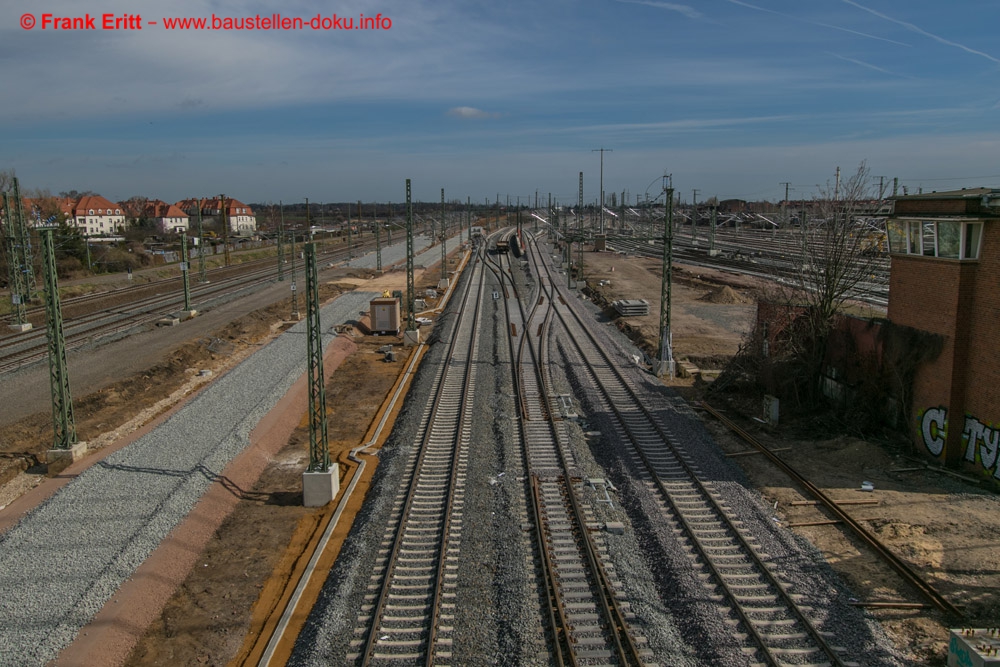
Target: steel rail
<point>616,625</point>
<point>709,499</point>
<point>911,577</point>
<point>368,647</point>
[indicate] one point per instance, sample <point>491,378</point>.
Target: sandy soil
<point>942,526</point>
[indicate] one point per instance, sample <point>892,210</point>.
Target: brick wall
<point>983,374</point>
<point>924,294</point>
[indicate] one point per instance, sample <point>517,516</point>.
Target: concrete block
<point>973,647</point>
<point>411,338</point>
<point>615,527</point>
<point>187,314</point>
<point>443,283</point>
<point>60,459</point>
<point>319,488</point>
<point>20,328</point>
<point>168,321</point>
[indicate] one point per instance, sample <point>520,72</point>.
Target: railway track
<point>755,254</point>
<point>28,348</point>
<point>409,609</point>
<point>772,625</point>
<point>588,624</point>
<point>142,308</point>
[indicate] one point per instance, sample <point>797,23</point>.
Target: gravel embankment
<point>66,558</point>
<point>671,601</point>
<point>496,619</point>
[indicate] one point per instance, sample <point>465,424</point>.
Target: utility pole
<point>411,320</point>
<point>784,204</point>
<point>19,295</point>
<point>348,233</point>
<point>602,152</point>
<point>666,356</point>
<point>378,237</point>
<point>202,269</point>
<point>711,231</point>
<point>295,296</point>
<point>63,421</point>
<point>517,219</point>
<point>836,188</point>
<point>621,220</point>
<point>444,246</point>
<point>22,235</point>
<point>281,243</point>
<point>468,216</point>
<point>360,233</point>
<point>388,226</point>
<point>321,480</point>
<point>224,216</point>
<point>184,273</point>
<point>579,272</point>
<point>319,448</point>
<point>694,216</point>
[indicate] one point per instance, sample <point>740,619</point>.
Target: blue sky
<point>731,97</point>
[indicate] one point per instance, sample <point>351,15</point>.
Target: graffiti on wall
<point>981,439</point>
<point>934,429</point>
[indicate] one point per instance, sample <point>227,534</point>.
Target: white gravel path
<point>67,557</point>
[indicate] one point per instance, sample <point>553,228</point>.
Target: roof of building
<point>964,193</point>
<point>161,209</point>
<point>96,203</point>
<point>211,206</point>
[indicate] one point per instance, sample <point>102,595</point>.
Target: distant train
<point>503,245</point>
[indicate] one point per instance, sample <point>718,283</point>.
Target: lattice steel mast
<point>319,444</point>
<point>411,320</point>
<point>665,348</point>
<point>444,244</point>
<point>63,421</point>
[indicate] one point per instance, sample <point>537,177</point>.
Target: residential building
<point>945,250</point>
<point>242,220</point>
<point>96,216</point>
<point>167,218</point>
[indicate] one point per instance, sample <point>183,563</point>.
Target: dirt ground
<point>941,525</point>
<point>232,591</point>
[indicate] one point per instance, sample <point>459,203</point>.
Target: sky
<point>733,98</point>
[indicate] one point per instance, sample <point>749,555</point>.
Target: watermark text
<point>47,21</point>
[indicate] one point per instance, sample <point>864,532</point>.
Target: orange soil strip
<point>112,634</point>
<point>278,589</point>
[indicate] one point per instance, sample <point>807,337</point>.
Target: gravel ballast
<point>67,557</point>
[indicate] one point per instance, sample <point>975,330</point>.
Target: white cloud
<point>689,12</point>
<point>921,31</point>
<point>471,112</point>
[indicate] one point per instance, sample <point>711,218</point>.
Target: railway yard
<point>533,496</point>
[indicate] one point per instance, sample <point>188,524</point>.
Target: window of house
<point>948,239</point>
<point>973,235</point>
<point>91,212</point>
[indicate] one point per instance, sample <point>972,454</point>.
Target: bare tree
<point>6,179</point>
<point>836,260</point>
<point>134,209</point>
